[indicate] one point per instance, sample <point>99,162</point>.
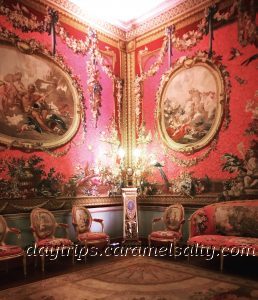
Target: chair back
<point>81,218</point>
<point>173,217</point>
<point>43,223</point>
<point>3,230</point>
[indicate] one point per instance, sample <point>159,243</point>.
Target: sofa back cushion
<point>239,220</point>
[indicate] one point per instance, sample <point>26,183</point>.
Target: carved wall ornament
<point>192,102</point>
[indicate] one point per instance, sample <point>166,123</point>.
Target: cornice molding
<point>181,11</point>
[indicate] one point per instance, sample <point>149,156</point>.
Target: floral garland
<point>23,19</point>
<point>189,162</point>
<point>35,47</point>
<point>151,72</point>
<point>93,85</point>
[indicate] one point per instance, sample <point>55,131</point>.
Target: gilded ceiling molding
<point>68,18</point>
<point>180,21</point>
<point>182,9</point>
<point>70,9</point>
<point>107,31</point>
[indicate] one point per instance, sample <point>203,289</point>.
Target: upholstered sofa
<point>229,227</point>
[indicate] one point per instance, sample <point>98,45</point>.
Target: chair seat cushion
<point>165,235</point>
<point>92,236</point>
<point>55,242</point>
<point>218,241</point>
<point>7,250</point>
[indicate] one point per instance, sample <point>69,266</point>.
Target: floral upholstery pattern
<point>221,241</point>
<point>237,220</point>
<point>229,226</point>
<point>8,252</point>
<point>55,242</point>
<point>82,221</point>
<point>166,234</point>
<point>43,223</point>
<point>92,236</point>
<point>173,219</point>
<point>82,217</point>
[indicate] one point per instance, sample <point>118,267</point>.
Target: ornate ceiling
<point>138,20</point>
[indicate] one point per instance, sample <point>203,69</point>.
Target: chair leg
<point>35,261</point>
<point>24,261</point>
<point>86,251</point>
<point>174,247</point>
<point>149,242</point>
<point>42,262</point>
<point>73,255</point>
<point>221,260</point>
<point>6,267</point>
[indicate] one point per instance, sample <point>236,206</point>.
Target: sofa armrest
<point>198,223</point>
<point>99,221</point>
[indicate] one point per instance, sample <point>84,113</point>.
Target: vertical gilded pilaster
<point>127,56</point>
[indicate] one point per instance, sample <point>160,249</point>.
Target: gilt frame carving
<point>54,71</point>
<point>192,81</point>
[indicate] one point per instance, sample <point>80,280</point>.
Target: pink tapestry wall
<point>72,168</point>
<point>231,162</point>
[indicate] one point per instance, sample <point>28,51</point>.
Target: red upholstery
<point>8,250</point>
<point>235,218</point>
<point>55,242</point>
<point>82,221</point>
<point>173,219</point>
<point>230,226</point>
<point>221,241</point>
<point>166,234</point>
<point>92,236</point>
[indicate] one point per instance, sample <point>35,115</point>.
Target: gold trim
<point>182,14</point>
<point>142,54</point>
<point>180,21</point>
<point>39,53</point>
<point>199,200</point>
<point>131,138</point>
<point>109,54</point>
<point>71,20</point>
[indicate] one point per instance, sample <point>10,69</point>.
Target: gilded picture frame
<point>190,104</point>
<point>40,98</point>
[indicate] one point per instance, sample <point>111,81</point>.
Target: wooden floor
<point>244,267</point>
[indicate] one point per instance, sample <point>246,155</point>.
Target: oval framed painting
<point>190,104</point>
<point>40,100</point>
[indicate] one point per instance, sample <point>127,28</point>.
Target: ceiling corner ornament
<point>33,117</point>
<point>192,103</point>
<point>20,17</point>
